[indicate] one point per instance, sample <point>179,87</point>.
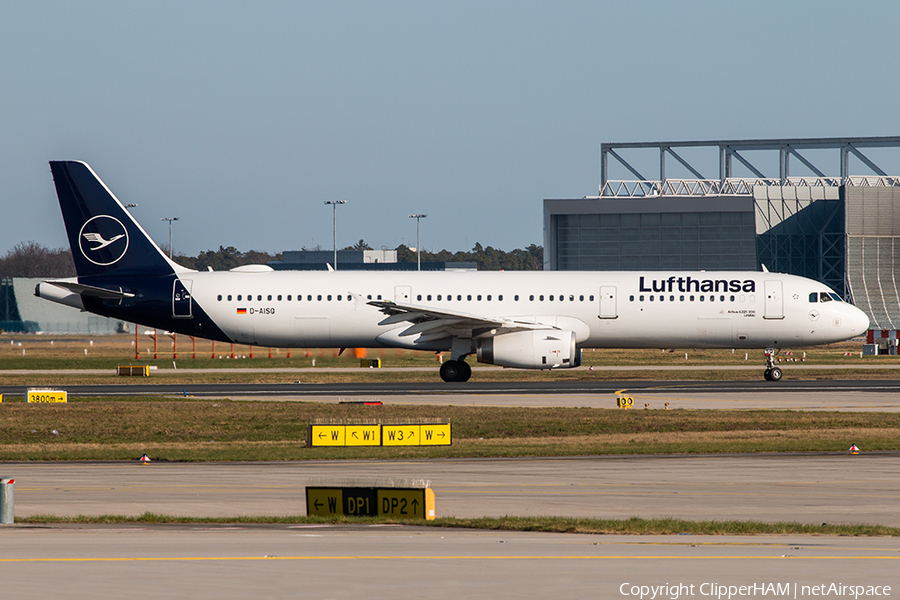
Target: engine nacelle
<point>536,349</point>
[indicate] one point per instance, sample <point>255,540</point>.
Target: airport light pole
<point>334,204</point>
<point>169,219</point>
<point>418,246</point>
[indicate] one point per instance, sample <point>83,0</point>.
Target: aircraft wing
<point>435,324</point>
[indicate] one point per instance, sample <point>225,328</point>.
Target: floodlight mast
<point>169,219</point>
<point>334,204</point>
<point>418,245</point>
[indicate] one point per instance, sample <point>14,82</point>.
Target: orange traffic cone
<point>854,449</point>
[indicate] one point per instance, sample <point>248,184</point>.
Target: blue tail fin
<point>103,236</point>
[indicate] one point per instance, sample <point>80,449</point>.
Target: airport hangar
<point>838,228</point>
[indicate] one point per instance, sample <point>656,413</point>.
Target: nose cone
<point>858,321</point>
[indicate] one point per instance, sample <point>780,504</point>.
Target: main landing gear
<point>456,370</point>
<point>772,373</point>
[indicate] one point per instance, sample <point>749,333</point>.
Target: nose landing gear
<point>772,372</point>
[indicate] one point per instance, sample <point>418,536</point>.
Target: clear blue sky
<point>241,118</point>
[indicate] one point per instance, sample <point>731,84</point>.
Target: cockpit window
<point>824,297</point>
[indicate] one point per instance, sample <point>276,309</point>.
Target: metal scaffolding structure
<point>731,151</point>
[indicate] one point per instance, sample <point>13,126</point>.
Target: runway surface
<point>808,488</point>
<point>854,395</point>
<point>401,562</point>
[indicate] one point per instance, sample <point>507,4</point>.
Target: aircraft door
<point>774,300</point>
<point>181,299</point>
<point>608,302</point>
<point>402,293</point>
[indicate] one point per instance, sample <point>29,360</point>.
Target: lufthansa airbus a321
<point>526,320</point>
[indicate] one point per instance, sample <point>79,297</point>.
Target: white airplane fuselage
<point>330,309</point>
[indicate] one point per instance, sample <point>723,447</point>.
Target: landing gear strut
<point>456,370</point>
<point>772,373</point>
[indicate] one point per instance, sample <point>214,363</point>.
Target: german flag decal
<point>242,311</point>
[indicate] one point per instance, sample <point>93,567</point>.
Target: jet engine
<point>535,349</point>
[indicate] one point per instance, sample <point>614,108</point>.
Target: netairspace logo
<point>720,591</point>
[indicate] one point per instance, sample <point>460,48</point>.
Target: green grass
<point>634,525</point>
<point>222,430</point>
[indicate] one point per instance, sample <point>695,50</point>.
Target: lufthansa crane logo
<point>103,240</point>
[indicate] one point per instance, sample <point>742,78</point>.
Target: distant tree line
<point>487,259</point>
<point>31,259</point>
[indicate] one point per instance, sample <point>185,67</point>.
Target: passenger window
<point>551,298</point>
<point>581,298</point>
<point>219,298</point>
<point>429,297</point>
<point>681,298</point>
<point>369,297</point>
<point>721,298</point>
<point>439,296</point>
<point>419,297</point>
<point>329,297</point>
<point>662,298</point>
<point>692,298</point>
<point>340,297</point>
<point>479,297</point>
<point>732,298</point>
<point>309,297</point>
<point>488,297</point>
<point>671,298</point>
<point>631,298</point>
<point>469,297</point>
<point>500,298</point>
<point>592,297</point>
<point>319,297</point>
<point>701,298</point>
<point>458,297</point>
<point>269,297</point>
<point>541,297</point>
<point>531,297</point>
<point>516,298</point>
<point>641,298</point>
<point>239,297</point>
<point>379,296</point>
<point>229,297</point>
<point>290,297</point>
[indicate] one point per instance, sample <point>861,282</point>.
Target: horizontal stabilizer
<point>90,290</point>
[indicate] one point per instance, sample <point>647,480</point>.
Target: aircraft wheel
<point>768,374</point>
<point>452,370</point>
<point>466,371</point>
<point>775,374</point>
